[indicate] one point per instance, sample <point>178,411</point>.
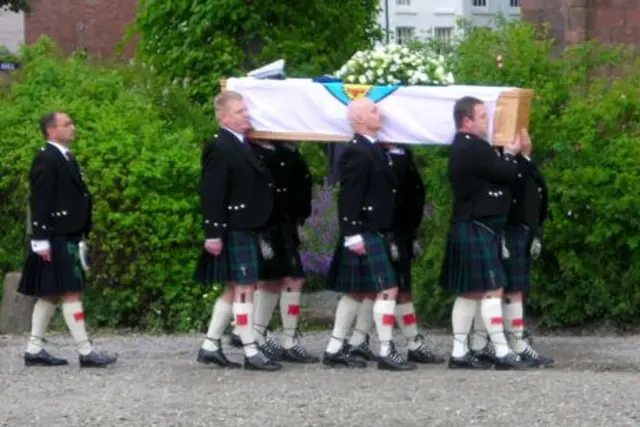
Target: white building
<point>11,30</point>
<point>418,18</point>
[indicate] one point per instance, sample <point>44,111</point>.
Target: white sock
<point>514,323</point>
<point>479,337</point>
<point>346,313</point>
<point>74,317</point>
<point>406,318</point>
<point>43,311</point>
<point>220,318</point>
<point>384,317</point>
<point>264,304</point>
<point>492,316</point>
<point>364,323</point>
<point>243,313</point>
<point>290,313</point>
<point>461,320</point>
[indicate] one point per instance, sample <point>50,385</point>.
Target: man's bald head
<point>364,116</point>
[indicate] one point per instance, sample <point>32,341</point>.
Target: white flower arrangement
<point>397,65</point>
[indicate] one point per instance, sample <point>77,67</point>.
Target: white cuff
<point>353,240</point>
<point>213,240</point>
<point>40,245</point>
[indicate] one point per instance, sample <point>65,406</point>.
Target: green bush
<point>585,133</point>
<point>139,144</point>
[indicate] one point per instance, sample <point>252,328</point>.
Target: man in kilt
<point>237,196</point>
<point>480,177</point>
<point>409,211</point>
<point>361,265</point>
<point>282,276</point>
<point>523,234</point>
<point>61,220</point>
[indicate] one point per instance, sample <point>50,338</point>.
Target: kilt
<point>286,260</point>
<point>371,273</point>
<point>517,267</point>
<point>63,275</point>
<point>402,264</point>
<point>473,261</point>
<point>239,262</point>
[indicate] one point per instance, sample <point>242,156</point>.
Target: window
<point>444,34</point>
<point>404,34</point>
<point>403,2</point>
<point>514,3</point>
<point>480,3</point>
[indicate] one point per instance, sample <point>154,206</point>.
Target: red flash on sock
<point>388,319</point>
<point>242,319</point>
<point>496,320</point>
<point>409,319</point>
<point>517,323</point>
<point>293,310</point>
<point>79,317</point>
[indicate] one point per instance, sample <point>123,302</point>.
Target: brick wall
<point>609,21</point>
<point>95,25</point>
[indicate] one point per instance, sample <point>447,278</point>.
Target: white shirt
<point>43,245</point>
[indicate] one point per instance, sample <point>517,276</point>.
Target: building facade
<point>403,19</point>
<point>12,30</point>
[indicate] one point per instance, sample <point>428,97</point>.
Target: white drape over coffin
<point>303,109</point>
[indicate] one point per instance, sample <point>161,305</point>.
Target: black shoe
<point>423,354</point>
<point>297,354</point>
<point>96,360</point>
<point>260,362</point>
<point>342,358</point>
<point>394,362</point>
<point>468,361</point>
<point>487,355</point>
<point>532,357</point>
<point>362,351</point>
<point>235,341</point>
<point>271,351</point>
<point>216,357</point>
<point>510,361</point>
<point>43,358</point>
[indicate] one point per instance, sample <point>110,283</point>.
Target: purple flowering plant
<point>320,232</point>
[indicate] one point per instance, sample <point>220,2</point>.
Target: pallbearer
<point>480,177</point>
<point>361,265</point>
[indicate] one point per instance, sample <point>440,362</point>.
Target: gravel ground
<point>158,383</point>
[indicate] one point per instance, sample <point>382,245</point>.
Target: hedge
<point>139,142</point>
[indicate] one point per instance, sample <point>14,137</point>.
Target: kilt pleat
<point>372,272</point>
<point>239,262</point>
<point>473,261</point>
<point>63,275</point>
<point>518,266</point>
<point>286,261</point>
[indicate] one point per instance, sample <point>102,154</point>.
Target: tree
<point>198,42</point>
<point>15,5</point>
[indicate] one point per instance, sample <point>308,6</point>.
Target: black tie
<point>73,163</point>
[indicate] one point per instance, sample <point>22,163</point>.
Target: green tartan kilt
<point>239,262</point>
<point>371,273</point>
<point>518,266</point>
<point>63,275</point>
<point>473,261</point>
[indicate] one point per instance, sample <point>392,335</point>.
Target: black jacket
<point>530,205</point>
<point>237,191</point>
<point>368,187</point>
<point>480,177</point>
<point>59,201</point>
<point>411,194</point>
